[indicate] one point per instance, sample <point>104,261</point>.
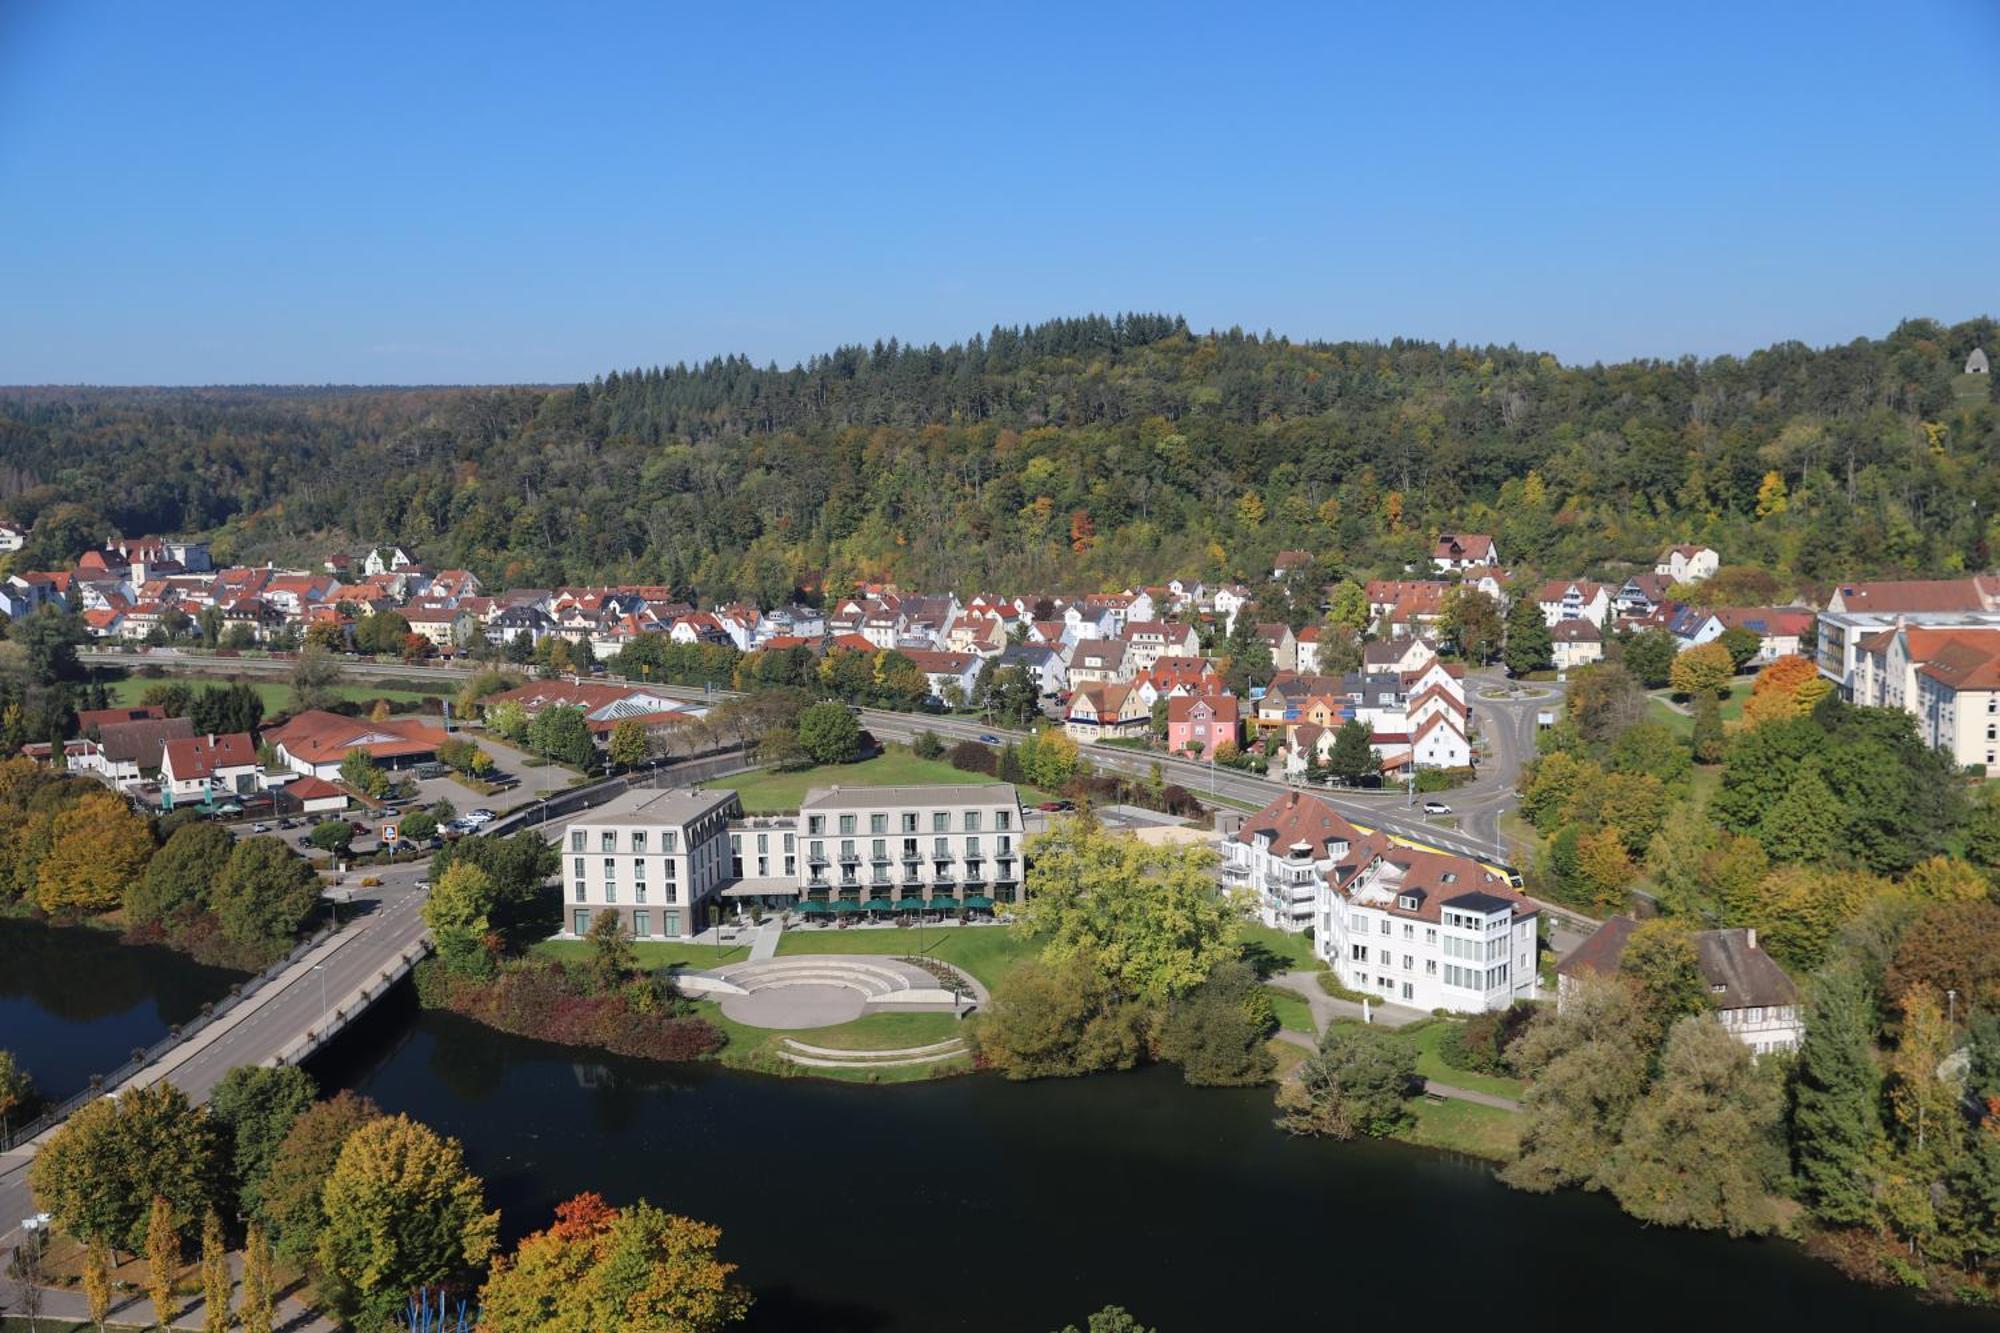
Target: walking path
<point>1325,1009</point>
<point>64,1306</point>
<point>766,946</point>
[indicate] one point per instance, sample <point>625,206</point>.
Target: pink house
<point>1197,723</point>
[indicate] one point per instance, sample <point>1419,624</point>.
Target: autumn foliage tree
<point>98,851</point>
<point>1788,687</point>
<point>600,1267</point>
<point>1702,669</point>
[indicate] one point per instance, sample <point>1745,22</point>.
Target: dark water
<point>75,1002</point>
<point>981,1205</point>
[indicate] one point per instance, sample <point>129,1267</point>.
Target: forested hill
<point>1077,454</point>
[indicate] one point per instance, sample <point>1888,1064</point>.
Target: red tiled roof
<point>203,756</point>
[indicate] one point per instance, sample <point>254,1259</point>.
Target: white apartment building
<point>656,857</point>
<point>1284,853</point>
<point>1429,930</point>
<point>905,847</point>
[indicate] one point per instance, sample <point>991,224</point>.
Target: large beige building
<point>656,857</point>
<point>905,845</point>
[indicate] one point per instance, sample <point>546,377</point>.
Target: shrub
<point>1480,1044</point>
<point>544,1001</point>
<point>1329,981</point>
<point>972,757</point>
<point>926,745</point>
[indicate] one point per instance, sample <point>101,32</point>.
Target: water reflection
<point>74,1001</point>
<point>980,1205</point>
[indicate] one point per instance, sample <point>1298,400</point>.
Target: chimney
<point>211,740</point>
<point>1751,933</point>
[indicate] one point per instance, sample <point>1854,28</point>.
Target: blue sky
<point>410,193</point>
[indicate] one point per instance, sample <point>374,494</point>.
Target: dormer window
<point>1450,877</point>
<point>1407,903</point>
<point>1719,988</point>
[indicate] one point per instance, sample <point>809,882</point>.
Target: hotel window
<point>670,864</point>
<point>639,843</point>
<point>909,849</point>
<point>791,843</point>
<point>667,843</point>
<point>941,848</point>
<point>972,821</point>
<point>909,821</point>
<point>580,891</point>
<point>763,842</point>
<point>1006,846</point>
<point>639,892</point>
<point>1430,935</point>
<point>610,893</point>
<point>639,868</point>
<point>581,923</point>
<point>611,867</point>
<point>816,851</point>
<point>972,849</point>
<point>670,922</point>
<point>847,823</point>
<point>941,822</point>
<point>576,839</point>
<point>1003,819</point>
<point>878,823</point>
<point>1385,925</point>
<point>607,841</point>
<point>579,867</point>
<point>815,824</point>
<point>1409,931</point>
<point>642,924</point>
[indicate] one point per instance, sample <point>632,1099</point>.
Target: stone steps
<point>949,1046</point>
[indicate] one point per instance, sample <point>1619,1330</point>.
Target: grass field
<point>1291,952</point>
<point>776,793</point>
<point>757,1048</point>
<point>1729,709</point>
<point>1431,1065</point>
<point>1478,1131</point>
<point>1294,1014</point>
<point>276,694</point>
<point>984,951</point>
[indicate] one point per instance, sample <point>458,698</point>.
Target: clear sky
<point>428,192</point>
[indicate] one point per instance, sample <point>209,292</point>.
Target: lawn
<point>757,1048</point>
<point>1294,1014</point>
<point>652,954</point>
<point>1455,1126</point>
<point>1432,1066</point>
<point>781,793</point>
<point>984,951</point>
<point>884,1032</point>
<point>1730,709</point>
<point>276,694</point>
<point>1279,950</point>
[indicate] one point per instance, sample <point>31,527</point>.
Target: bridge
<point>308,998</point>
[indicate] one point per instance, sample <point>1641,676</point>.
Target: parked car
<point>1057,807</point>
<point>480,816</point>
<point>988,738</point>
<point>1436,808</point>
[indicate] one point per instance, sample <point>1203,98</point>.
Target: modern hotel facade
<point>945,847</point>
<point>658,858</point>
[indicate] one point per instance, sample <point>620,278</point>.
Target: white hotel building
<point>1422,929</point>
<point>656,857</point>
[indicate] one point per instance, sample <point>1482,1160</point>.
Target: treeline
<point>71,850</point>
<point>373,1209</point>
<point>1081,453</point>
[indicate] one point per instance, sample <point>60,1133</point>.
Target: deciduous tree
<point>600,1267</point>
<point>254,1108</point>
<point>264,895</point>
<point>1359,1081</point>
<point>99,1175</point>
<point>290,1203</point>
<point>1702,669</point>
<point>1587,1069</point>
<point>98,850</point>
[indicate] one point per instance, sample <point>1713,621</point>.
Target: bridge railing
<point>144,1057</point>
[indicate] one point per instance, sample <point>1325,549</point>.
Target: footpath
<point>1325,1008</point>
<point>65,1307</point>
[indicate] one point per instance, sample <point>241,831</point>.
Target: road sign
<point>389,833</point>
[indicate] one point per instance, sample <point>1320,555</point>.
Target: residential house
<point>1042,663</point>
<point>1409,607</point>
<point>387,560</point>
<point>1290,562</point>
<point>1227,601</point>
<point>1574,599</point>
<point>1147,641</point>
<point>947,670</point>
<point>521,621</point>
<point>1284,853</point>
<point>1279,641</point>
<point>1198,723</point>
<point>207,770</point>
<point>1688,564</point>
<point>1638,595</point>
<point>1782,631</point>
<point>1103,712</point>
<point>12,537</point>
<point>1957,701</point>
<point>1440,742</point>
<point>1397,655</point>
<point>1463,550</point>
<point>1747,990</point>
<point>1098,661</point>
<point>126,753</point>
<point>1575,643</point>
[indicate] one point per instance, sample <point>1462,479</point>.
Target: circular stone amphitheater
<point>820,990</point>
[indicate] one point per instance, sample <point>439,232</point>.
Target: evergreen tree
<point>1836,1125</point>
<point>1353,759</point>
<point>1529,647</point>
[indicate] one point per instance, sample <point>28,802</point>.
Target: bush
<point>1481,1043</point>
<point>1329,981</point>
<point>545,1001</point>
<point>926,745</point>
<point>1442,779</point>
<point>972,757</point>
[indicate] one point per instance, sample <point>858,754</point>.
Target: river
<point>976,1204</point>
<point>75,1002</point>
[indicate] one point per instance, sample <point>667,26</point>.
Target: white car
<point>480,817</point>
<point>1436,808</point>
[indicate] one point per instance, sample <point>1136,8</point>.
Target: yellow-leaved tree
<point>99,848</point>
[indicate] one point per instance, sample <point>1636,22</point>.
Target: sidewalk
<point>135,1310</point>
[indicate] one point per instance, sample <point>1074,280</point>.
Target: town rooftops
<point>1575,631</point>
<point>321,737</point>
<point>955,795</point>
<point>1969,594</point>
<point>1296,818</point>
<point>1473,546</point>
<point>1484,903</point>
<point>1968,660</point>
<point>143,741</point>
<point>88,718</point>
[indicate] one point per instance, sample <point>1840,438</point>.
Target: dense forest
<point>1078,454</point>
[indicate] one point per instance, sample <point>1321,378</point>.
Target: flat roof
<point>947,793</point>
<point>664,805</point>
